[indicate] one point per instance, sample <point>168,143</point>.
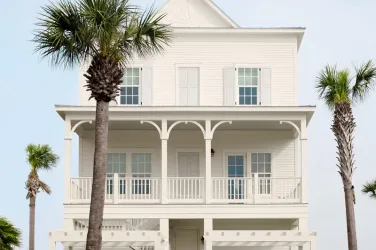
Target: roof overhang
<point>298,32</point>
<point>137,113</point>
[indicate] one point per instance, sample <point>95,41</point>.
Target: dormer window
<point>130,88</point>
<point>248,86</point>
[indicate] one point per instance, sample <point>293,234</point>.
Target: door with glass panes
<point>261,164</point>
<point>236,174</point>
<point>116,163</point>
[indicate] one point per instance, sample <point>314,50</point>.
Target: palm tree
<point>370,189</point>
<point>340,90</point>
<point>10,236</point>
<point>39,157</point>
<point>108,33</point>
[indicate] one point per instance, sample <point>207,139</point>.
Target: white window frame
<point>271,186</point>
<point>187,65</point>
<point>236,92</point>
<point>135,184</point>
<point>139,86</point>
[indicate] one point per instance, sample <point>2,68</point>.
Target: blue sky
<point>339,32</point>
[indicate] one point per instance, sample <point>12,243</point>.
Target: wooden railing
<point>226,190</point>
<point>187,189</point>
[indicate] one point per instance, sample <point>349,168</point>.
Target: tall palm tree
<point>370,189</point>
<point>10,236</point>
<point>108,33</point>
<point>340,90</point>
<point>39,157</point>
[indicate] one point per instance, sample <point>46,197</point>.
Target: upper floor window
<point>248,86</point>
<point>130,88</point>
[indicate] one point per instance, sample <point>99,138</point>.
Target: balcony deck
<point>191,190</point>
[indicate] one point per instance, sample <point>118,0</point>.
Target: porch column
<point>208,184</point>
<point>164,138</point>
<point>303,148</point>
<point>208,234</point>
<point>51,244</point>
<point>164,228</point>
<point>67,160</point>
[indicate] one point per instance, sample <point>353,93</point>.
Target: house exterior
<point>207,144</point>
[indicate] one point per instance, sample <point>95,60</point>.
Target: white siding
<point>213,54</point>
<point>280,144</point>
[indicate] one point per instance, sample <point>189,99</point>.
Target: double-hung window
<point>141,173</point>
<point>116,164</point>
<point>261,165</point>
<point>130,88</point>
<point>248,86</point>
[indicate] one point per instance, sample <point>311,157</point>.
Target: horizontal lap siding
<point>213,54</point>
<point>280,144</point>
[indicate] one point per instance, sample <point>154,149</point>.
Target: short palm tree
<point>39,157</point>
<point>370,189</point>
<point>108,33</point>
<point>340,90</point>
<point>10,236</point>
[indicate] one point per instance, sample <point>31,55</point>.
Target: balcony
<point>191,190</point>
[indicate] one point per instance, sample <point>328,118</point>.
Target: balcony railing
<point>225,190</point>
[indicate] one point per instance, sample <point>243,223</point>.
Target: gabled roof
<point>196,13</point>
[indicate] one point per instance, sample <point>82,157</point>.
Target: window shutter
<point>183,87</point>
<point>147,86</point>
<point>266,87</point>
<point>229,87</point>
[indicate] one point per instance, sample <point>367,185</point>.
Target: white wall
<point>213,54</point>
<point>280,144</point>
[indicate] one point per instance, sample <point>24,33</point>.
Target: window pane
<point>248,91</point>
<point>268,157</point>
<point>231,171</point>
<point>254,157</point>
<point>129,91</point>
<point>148,158</point>
<point>135,90</point>
<point>231,160</point>
<point>254,100</point>
<point>248,100</point>
<point>135,100</point>
<point>239,160</point>
<point>254,167</point>
<point>239,171</point>
<point>136,80</point>
<point>254,81</point>
<point>268,167</point>
<point>247,81</point>
<point>261,157</point>
<point>261,167</point>
<point>248,72</point>
<point>122,91</point>
<point>122,100</point>
<point>254,91</point>
<point>255,72</point>
<point>241,100</point>
<point>136,71</point>
<point>241,81</point>
<point>128,71</point>
<point>129,100</point>
<point>241,72</point>
<point>241,91</point>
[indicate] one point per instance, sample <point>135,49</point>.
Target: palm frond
<point>41,157</point>
<point>63,35</point>
<point>10,236</point>
<point>370,189</point>
<point>364,80</point>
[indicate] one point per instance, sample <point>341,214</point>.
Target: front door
<point>235,166</point>
<point>186,239</point>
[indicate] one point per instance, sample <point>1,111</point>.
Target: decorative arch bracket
<point>292,124</point>
<point>76,126</point>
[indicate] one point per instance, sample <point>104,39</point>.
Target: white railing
<point>189,189</point>
<point>81,189</point>
<point>120,224</point>
<point>256,190</point>
<point>139,189</point>
<point>227,190</point>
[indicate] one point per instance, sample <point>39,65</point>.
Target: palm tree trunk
<point>94,235</point>
<point>32,223</point>
<point>343,128</point>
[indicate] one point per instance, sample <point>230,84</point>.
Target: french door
<point>236,173</point>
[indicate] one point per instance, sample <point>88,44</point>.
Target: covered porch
<point>223,141</point>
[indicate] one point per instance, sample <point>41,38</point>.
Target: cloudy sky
<point>338,31</point>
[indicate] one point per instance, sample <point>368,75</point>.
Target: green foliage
<point>69,32</point>
<point>370,189</point>
<point>337,86</point>
<point>10,236</point>
<point>41,157</point>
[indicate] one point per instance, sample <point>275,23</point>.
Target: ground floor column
<point>67,161</point>
<point>52,244</point>
<point>163,243</point>
<point>208,234</point>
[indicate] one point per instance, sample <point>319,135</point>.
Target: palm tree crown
<point>338,86</point>
<point>40,157</point>
<point>370,189</point>
<point>10,236</point>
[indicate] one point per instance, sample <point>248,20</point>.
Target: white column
<point>208,233</point>
<point>67,161</point>
<point>164,138</point>
<point>52,244</point>
<point>208,168</point>
<point>303,148</point>
<point>164,242</point>
<point>313,245</point>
